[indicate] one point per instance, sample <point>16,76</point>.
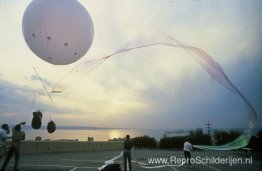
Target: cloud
<point>16,101</point>
<point>152,87</point>
<point>34,77</point>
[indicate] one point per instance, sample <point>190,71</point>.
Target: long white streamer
<point>141,164</point>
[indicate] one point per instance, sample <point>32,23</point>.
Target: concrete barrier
<point>33,147</point>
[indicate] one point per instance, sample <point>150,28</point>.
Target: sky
<point>150,88</point>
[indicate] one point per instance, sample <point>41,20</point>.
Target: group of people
<point>128,145</point>
<point>17,137</point>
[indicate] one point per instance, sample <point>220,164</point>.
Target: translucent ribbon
<point>202,58</point>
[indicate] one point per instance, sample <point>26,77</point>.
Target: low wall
<point>33,147</point>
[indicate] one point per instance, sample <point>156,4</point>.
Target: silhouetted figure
<point>187,152</point>
<point>4,131</point>
<point>17,137</point>
<point>128,144</point>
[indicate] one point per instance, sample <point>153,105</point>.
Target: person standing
<point>4,131</point>
<point>187,152</point>
<point>17,137</point>
<point>128,145</point>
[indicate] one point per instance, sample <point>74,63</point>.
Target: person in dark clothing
<point>4,131</point>
<point>17,137</point>
<point>128,145</point>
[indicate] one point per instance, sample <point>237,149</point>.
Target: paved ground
<point>92,160</point>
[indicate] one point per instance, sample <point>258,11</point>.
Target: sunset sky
<point>155,87</point>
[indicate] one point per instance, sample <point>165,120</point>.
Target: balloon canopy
<point>58,31</point>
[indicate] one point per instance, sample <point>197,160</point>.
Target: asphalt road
<point>164,160</point>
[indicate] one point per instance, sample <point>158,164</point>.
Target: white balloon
<point>58,31</point>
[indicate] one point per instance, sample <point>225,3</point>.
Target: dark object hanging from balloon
<point>37,120</point>
<point>51,127</point>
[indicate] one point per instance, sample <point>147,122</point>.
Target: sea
<point>97,134</point>
<point>102,134</point>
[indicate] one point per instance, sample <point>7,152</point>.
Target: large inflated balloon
<point>58,31</point>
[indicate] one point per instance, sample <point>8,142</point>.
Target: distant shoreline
<point>75,128</point>
<point>169,130</point>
